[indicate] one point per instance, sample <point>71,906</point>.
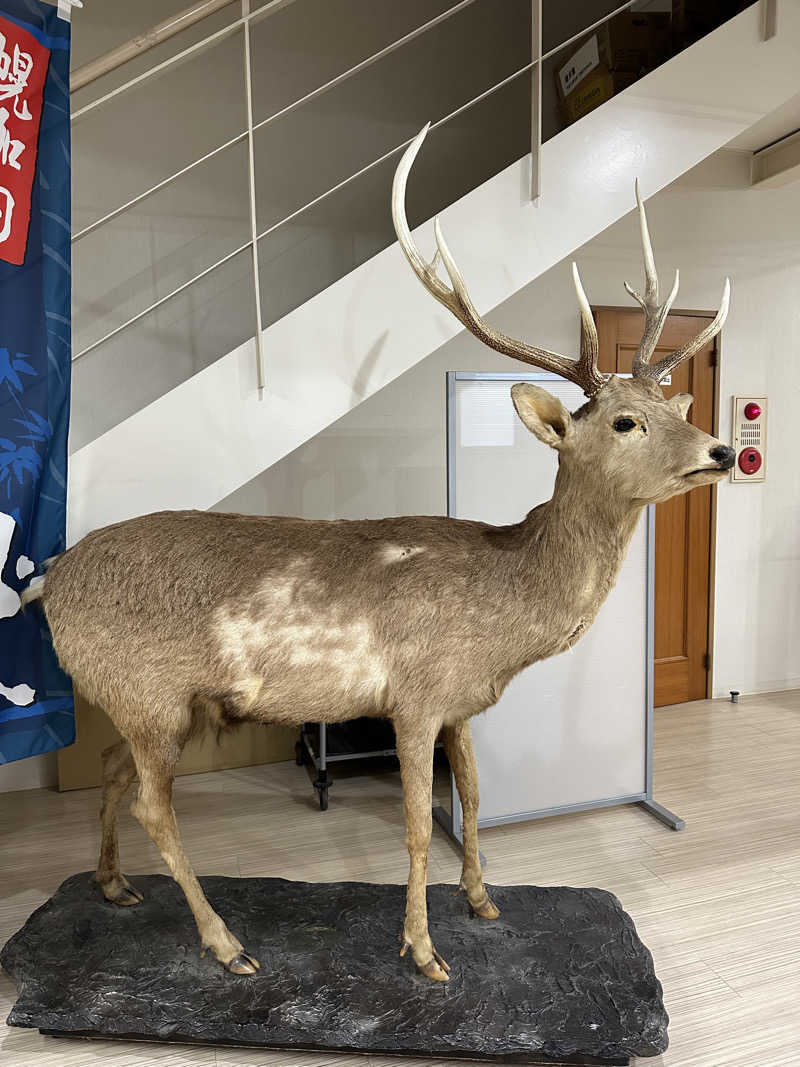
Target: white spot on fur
<point>25,567</point>
<point>396,553</point>
<point>589,590</point>
<point>250,691</point>
<point>290,622</point>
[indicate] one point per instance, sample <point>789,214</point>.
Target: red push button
<point>749,460</point>
<point>752,411</point>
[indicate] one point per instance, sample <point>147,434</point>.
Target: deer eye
<point>624,425</point>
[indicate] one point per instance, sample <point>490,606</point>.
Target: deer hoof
<point>121,892</point>
<point>436,969</point>
<point>485,910</point>
<point>128,897</point>
<point>243,964</point>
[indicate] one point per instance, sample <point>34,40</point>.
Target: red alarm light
<point>752,411</point>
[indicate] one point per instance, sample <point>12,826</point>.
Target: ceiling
<point>779,123</point>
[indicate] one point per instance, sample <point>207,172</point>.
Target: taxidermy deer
<point>176,618</point>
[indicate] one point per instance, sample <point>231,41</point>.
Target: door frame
<point>712,540</point>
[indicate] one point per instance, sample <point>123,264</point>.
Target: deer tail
<point>36,587</point>
<point>35,590</point>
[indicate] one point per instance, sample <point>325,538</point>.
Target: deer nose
<point>724,455</point>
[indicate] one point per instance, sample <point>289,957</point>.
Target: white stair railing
<point>90,72</point>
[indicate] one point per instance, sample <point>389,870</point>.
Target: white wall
<point>387,456</point>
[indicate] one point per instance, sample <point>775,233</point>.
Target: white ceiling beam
<point>778,163</point>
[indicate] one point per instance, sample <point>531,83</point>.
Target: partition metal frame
<point>452,823</point>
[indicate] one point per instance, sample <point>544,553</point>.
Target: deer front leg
<point>459,751</point>
<point>415,744</point>
<point>153,809</point>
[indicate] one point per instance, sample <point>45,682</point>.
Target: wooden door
<point>683,524</point>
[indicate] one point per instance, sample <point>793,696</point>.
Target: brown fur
<point>424,620</point>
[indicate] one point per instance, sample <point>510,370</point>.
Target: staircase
<point>209,435</point>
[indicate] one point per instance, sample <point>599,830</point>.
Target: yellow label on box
<point>594,90</point>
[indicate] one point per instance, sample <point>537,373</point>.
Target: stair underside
<point>213,433</point>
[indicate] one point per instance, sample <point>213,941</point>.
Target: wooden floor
<point>718,904</point>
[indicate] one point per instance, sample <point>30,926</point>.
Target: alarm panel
<point>749,438</point>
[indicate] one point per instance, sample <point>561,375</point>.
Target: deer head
<point>629,437</point>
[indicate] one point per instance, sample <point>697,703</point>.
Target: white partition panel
<point>573,731</point>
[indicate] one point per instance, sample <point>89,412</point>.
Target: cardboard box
<point>637,42</point>
<point>693,19</point>
<point>612,59</point>
<point>594,89</point>
<point>579,65</point>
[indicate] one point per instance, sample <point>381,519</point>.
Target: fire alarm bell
<point>749,438</point>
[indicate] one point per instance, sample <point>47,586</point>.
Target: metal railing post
<point>251,172</point>
<point>536,99</point>
<point>769,19</point>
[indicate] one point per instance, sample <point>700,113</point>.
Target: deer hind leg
<point>153,809</point>
<point>415,752</point>
<point>458,749</point>
<point>119,771</point>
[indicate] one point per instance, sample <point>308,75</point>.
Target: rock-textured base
<point>560,977</point>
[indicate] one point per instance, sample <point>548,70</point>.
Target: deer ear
<point>682,401</point>
<point>542,413</point>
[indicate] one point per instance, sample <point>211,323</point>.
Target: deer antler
<point>582,372</point>
<point>655,314</point>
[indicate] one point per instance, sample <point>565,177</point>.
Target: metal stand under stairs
<point>321,744</point>
<point>320,747</point>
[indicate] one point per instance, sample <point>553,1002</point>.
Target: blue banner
<point>36,708</point>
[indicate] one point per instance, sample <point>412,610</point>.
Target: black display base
<point>560,977</point>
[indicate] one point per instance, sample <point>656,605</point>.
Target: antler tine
<point>655,314</point>
<point>650,273</point>
<point>582,372</point>
<point>590,344</point>
<point>426,272</point>
<point>668,363</point>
